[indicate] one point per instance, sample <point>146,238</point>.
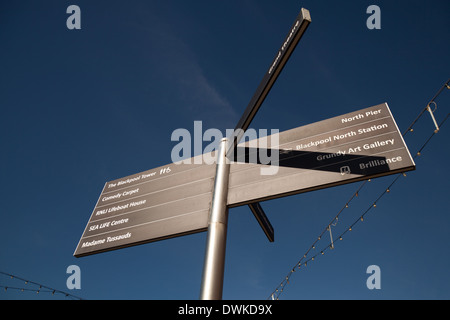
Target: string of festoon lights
<point>32,286</point>
<point>312,254</point>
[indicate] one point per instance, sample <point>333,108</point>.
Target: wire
<point>410,128</point>
<point>431,137</point>
<point>42,288</point>
<point>275,295</point>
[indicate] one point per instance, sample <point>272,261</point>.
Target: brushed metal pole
<point>214,265</point>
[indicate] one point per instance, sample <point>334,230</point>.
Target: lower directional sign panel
<point>352,147</point>
<point>157,204</point>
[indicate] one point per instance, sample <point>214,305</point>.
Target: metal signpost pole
<point>175,200</point>
<point>213,269</point>
<point>214,265</point>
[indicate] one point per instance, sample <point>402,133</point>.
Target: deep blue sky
<point>82,107</point>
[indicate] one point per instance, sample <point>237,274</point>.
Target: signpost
<point>180,199</point>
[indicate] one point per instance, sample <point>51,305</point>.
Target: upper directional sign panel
<point>344,149</point>
<point>287,48</point>
<point>153,205</point>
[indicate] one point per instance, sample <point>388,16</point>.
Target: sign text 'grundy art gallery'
<point>175,200</point>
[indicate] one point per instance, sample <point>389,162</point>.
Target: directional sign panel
<point>352,147</point>
<point>287,48</point>
<point>157,204</point>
